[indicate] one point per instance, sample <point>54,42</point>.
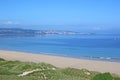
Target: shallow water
<point>98,46</point>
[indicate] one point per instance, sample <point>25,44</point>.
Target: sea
<point>93,47</point>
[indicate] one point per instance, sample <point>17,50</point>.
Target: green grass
<point>9,70</point>
<point>104,76</point>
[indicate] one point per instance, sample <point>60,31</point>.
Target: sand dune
<point>62,62</point>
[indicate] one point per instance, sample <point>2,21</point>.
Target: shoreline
<point>63,62</point>
<point>94,58</point>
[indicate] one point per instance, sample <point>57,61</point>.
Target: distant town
<point>18,32</point>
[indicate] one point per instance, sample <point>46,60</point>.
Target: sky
<point>95,13</point>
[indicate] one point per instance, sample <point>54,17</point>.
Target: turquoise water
<point>99,46</point>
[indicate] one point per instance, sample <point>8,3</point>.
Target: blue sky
<point>61,12</point>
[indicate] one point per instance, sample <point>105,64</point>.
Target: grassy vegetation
<point>9,70</point>
<point>105,76</point>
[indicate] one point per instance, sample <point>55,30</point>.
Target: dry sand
<point>62,62</point>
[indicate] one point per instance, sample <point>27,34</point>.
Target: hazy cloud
<point>9,23</point>
<point>97,28</point>
<point>101,28</point>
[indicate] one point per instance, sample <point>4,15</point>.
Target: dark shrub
<point>2,59</point>
<point>104,76</point>
<point>116,78</point>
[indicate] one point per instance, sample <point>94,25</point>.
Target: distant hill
<point>8,32</point>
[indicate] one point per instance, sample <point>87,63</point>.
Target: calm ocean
<point>98,46</point>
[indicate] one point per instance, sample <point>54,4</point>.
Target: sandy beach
<point>62,62</point>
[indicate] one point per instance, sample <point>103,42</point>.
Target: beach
<point>63,62</point>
